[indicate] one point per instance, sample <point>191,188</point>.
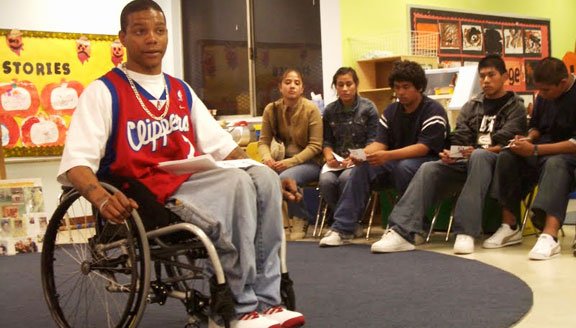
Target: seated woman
<point>351,122</point>
<point>295,121</point>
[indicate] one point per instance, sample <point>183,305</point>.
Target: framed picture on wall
<point>472,38</point>
<point>513,42</point>
<point>532,42</point>
<point>493,39</point>
<point>449,36</point>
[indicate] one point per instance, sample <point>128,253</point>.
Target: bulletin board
<point>42,74</point>
<point>23,219</point>
<point>467,37</point>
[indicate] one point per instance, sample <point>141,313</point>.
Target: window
<point>216,39</point>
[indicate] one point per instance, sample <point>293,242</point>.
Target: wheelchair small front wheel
<point>94,277</point>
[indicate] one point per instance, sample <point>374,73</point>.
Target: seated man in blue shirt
<point>547,156</point>
<point>411,132</point>
<point>485,125</point>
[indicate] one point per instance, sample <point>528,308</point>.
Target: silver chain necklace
<point>144,107</point>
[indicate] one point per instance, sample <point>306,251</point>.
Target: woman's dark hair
<point>408,71</point>
<point>550,71</point>
<point>344,71</point>
<point>493,61</point>
<point>136,6</point>
<point>289,70</point>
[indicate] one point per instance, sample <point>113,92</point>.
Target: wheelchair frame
<point>118,259</point>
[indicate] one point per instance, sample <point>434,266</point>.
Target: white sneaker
<point>334,238</point>
<point>299,228</point>
<point>248,320</point>
<point>546,248</point>
<point>390,242</point>
<point>286,318</point>
<point>504,236</point>
<point>464,244</point>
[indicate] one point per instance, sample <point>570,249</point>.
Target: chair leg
<point>321,209</point>
<point>574,244</point>
<point>527,202</point>
<point>374,200</point>
<point>324,213</point>
<point>450,223</point>
<point>434,218</point>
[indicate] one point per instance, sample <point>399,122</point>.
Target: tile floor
<point>553,282</point>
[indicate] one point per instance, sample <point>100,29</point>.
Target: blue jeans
<point>304,174</point>
<point>242,216</point>
<point>363,178</point>
<point>555,176</point>
<point>331,185</point>
<point>435,181</point>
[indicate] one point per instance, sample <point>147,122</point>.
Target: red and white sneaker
<point>287,318</point>
<point>249,320</point>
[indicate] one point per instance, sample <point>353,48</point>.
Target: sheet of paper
<point>358,153</point>
<point>326,168</point>
<point>238,163</point>
<point>456,151</point>
<point>189,165</point>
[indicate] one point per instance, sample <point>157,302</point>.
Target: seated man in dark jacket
<point>485,125</point>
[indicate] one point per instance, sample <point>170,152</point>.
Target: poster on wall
<point>23,218</point>
<point>42,75</point>
<point>467,37</point>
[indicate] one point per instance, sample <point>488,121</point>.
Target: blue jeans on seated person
<point>243,218</point>
<point>331,185</point>
<point>363,179</point>
<point>304,174</point>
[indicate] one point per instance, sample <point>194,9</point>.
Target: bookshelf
<point>373,76</point>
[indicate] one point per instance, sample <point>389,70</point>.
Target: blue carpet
<point>335,288</point>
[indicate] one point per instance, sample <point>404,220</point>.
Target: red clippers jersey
<point>138,142</point>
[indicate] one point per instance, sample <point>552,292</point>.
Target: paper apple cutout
<point>42,131</point>
<point>10,130</point>
<point>61,98</point>
<point>19,98</point>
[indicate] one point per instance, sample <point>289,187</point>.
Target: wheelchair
<point>99,274</point>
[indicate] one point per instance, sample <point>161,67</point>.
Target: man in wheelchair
<point>135,117</point>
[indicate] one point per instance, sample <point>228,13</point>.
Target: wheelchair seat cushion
<point>154,215</point>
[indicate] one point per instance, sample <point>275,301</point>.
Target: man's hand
<point>522,147</point>
<point>290,190</point>
<point>116,208</point>
<point>445,157</point>
<point>378,157</point>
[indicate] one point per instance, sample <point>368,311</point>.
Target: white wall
<point>103,17</point>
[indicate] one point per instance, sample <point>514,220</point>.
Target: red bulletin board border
<point>467,37</point>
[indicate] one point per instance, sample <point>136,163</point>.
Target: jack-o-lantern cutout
<point>43,131</point>
<point>61,98</point>
<point>10,130</point>
<point>19,98</point>
<point>570,60</point>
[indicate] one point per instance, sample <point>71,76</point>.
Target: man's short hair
<point>408,71</point>
<point>493,61</point>
<point>550,71</point>
<point>136,6</point>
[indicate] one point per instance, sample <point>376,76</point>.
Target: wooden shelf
<point>381,97</point>
<point>373,77</point>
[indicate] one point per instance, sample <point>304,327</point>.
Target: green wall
<point>371,17</point>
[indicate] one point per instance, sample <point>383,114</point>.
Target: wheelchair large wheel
<point>94,274</point>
